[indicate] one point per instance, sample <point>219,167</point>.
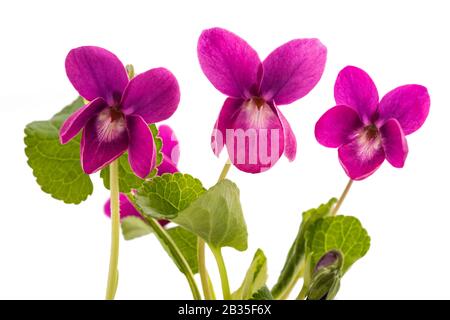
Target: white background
<point>52,250</point>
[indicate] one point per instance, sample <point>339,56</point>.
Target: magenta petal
<point>408,104</point>
<point>141,149</point>
<point>256,142</point>
<point>394,143</point>
<point>154,95</point>
<point>170,147</point>
<point>357,164</point>
<point>79,118</point>
<point>230,109</point>
<point>356,89</point>
<point>336,126</point>
<point>290,142</point>
<point>96,72</point>
<point>127,209</point>
<point>293,70</point>
<point>102,142</point>
<point>230,63</point>
<point>167,166</point>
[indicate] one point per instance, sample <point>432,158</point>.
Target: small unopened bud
<point>329,259</point>
<point>326,277</point>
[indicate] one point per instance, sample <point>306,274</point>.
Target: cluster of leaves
<point>215,215</point>
<point>57,167</point>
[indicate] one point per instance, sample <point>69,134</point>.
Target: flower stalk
<point>342,198</point>
<point>208,289</point>
<point>217,252</point>
<point>113,275</point>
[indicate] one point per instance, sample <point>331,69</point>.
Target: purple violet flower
<point>367,131</point>
<point>116,118</point>
<point>250,124</point>
<point>171,155</point>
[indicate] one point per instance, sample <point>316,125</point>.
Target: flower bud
<point>326,277</point>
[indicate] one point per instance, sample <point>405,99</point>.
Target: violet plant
<point>111,128</point>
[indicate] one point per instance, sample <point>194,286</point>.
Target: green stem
<point>342,198</point>
<point>208,289</point>
<point>176,254</point>
<point>285,294</point>
<point>302,294</point>
<point>113,275</point>
<point>223,273</point>
<point>225,170</point>
<point>213,294</point>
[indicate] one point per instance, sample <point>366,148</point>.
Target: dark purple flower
<point>250,124</point>
<point>171,155</point>
<point>367,130</point>
<point>116,118</point>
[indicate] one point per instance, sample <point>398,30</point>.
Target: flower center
<point>371,132</point>
<point>110,124</point>
<point>259,102</point>
<point>116,114</point>
<point>369,141</point>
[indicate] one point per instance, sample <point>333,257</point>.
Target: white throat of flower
<point>259,111</point>
<point>368,141</point>
<point>110,125</point>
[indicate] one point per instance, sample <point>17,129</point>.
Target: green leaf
<point>187,243</point>
<point>216,216</point>
<point>134,227</point>
<point>165,196</point>
<point>341,233</point>
<point>255,279</point>
<point>127,179</point>
<point>57,167</point>
<point>295,261</point>
<point>263,294</point>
